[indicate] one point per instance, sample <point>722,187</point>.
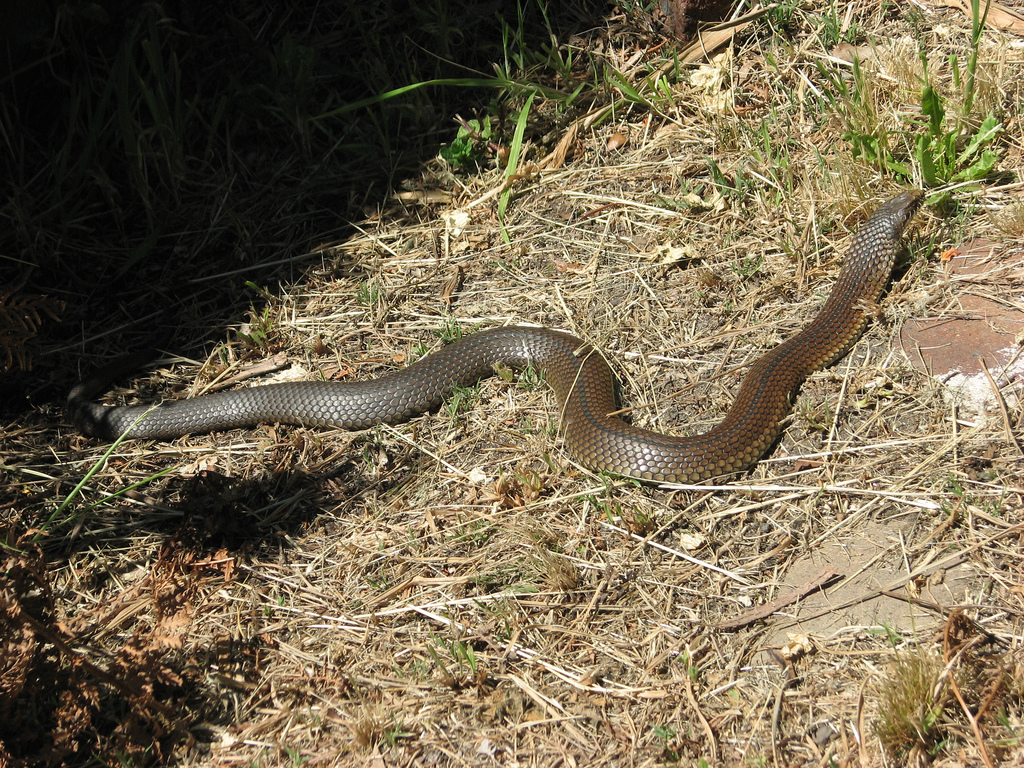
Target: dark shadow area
<point>163,161</point>
<point>149,699</point>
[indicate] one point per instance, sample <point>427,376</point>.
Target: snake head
<point>898,212</point>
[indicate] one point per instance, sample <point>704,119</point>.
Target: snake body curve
<point>581,379</point>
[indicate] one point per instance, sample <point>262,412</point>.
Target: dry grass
<point>457,591</point>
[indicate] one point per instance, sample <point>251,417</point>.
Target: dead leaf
<point>803,464</point>
<point>332,372</point>
<point>452,285</point>
<point>617,141</point>
<point>999,16</point>
<point>850,53</point>
<point>799,645</point>
<point>691,541</point>
<point>564,149</point>
<point>667,255</point>
<point>455,222</point>
<point>567,266</point>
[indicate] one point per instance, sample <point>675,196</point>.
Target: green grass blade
<point>515,150</point>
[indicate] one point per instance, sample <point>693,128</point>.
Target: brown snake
<point>580,377</point>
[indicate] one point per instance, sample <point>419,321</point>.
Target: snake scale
<point>579,376</point>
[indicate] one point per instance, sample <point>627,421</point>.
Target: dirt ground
<point>458,590</point>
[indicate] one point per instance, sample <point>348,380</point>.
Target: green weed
<point>459,401</point>
<point>463,667</point>
<point>368,293</point>
<point>748,265</point>
<point>69,510</point>
<point>515,152</point>
<point>395,732</point>
<point>779,17</point>
<point>468,148</point>
<point>734,188</point>
<point>450,331</point>
<point>834,28</point>
<point>531,378</point>
<point>667,738</point>
<point>260,329</point>
<point>940,151</point>
<point>943,149</point>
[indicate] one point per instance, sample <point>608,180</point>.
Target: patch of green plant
<point>515,152</point>
<point>295,755</point>
<point>370,729</point>
<point>395,731</point>
<point>666,737</point>
<point>831,26</point>
<point>504,372</point>
<point>892,635</point>
<point>868,138</point>
<point>779,17</point>
<point>67,511</point>
<point>940,151</point>
<point>692,670</point>
<point>460,400</point>
<point>953,486</point>
<point>978,17</point>
<point>476,533</point>
<point>748,265</point>
<point>771,157</point>
<point>462,654</point>
<point>944,149</point>
<point>523,66</point>
<point>531,378</point>
<point>818,419</point>
<point>261,327</point>
<point>368,292</point>
<point>469,148</point>
<point>450,331</point>
<point>381,584</point>
<point>663,732</point>
<point>735,188</point>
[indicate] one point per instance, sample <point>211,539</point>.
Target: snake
<point>581,378</point>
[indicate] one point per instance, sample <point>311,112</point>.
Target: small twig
<point>269,365</point>
<point>862,747</point>
<point>766,610</point>
<point>681,555</point>
<point>905,598</point>
<point>975,727</point>
<point>712,745</point>
<point>776,716</point>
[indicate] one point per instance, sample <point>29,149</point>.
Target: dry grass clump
<point>457,591</point>
<point>970,687</point>
<point>911,704</point>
